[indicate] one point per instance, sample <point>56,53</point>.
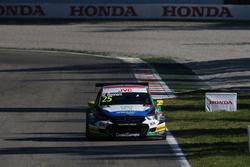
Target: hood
<point>127,110</point>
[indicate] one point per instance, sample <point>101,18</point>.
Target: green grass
<point>218,139</point>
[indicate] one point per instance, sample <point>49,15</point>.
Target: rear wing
<point>122,83</point>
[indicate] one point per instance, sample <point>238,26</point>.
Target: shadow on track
<point>52,137</point>
<point>44,109</point>
<point>104,152</point>
<point>231,72</point>
<point>199,75</point>
<point>124,26</point>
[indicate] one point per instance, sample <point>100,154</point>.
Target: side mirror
<point>91,104</point>
<point>159,102</point>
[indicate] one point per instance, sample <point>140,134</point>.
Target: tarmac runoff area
<point>217,52</point>
<point>42,114</point>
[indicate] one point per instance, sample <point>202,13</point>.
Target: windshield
<point>125,98</point>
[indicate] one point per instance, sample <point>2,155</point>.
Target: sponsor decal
<point>120,91</point>
<point>127,124</point>
<point>127,108</point>
<point>21,10</point>
<point>196,11</point>
<point>106,99</point>
<point>127,134</point>
<point>126,90</point>
<point>220,102</point>
<point>93,11</point>
<point>161,127</point>
<point>152,123</point>
<point>114,94</point>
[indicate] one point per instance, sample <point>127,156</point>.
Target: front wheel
<point>87,133</point>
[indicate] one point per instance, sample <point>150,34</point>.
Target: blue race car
<point>125,110</point>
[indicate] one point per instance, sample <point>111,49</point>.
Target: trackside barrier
<point>220,102</point>
<point>118,1</point>
<point>124,11</point>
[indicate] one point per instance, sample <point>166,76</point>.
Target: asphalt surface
<point>43,99</point>
<point>183,41</point>
<point>217,51</point>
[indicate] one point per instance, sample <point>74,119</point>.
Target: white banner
<point>221,102</point>
<point>125,11</point>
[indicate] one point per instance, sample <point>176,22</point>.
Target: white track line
<point>156,86</point>
<point>145,72</point>
<point>170,138</point>
<point>177,150</point>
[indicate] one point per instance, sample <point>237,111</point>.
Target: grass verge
<point>217,139</point>
<point>210,139</point>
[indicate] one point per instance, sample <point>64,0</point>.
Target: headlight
<point>150,117</point>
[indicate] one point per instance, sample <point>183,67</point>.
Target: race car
<point>125,110</point>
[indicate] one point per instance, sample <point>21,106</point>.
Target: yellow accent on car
<point>161,127</point>
<point>159,102</point>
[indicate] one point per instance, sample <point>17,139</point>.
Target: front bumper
<point>127,129</point>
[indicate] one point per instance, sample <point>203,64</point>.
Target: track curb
<point>148,73</point>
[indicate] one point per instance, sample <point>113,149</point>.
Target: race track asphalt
<point>43,99</point>
<point>218,52</point>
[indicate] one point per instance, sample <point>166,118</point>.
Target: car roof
<point>125,89</point>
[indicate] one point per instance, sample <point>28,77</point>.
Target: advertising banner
<point>220,102</point>
<point>125,11</point>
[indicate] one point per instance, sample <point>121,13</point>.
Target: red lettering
<point>26,10</point>
<point>2,10</point>
<point>76,11</point>
<point>91,11</point>
<point>212,11</point>
<point>221,102</point>
<point>117,11</point>
<point>39,11</point>
<point>11,10</point>
<point>169,11</point>
<point>126,90</point>
<point>196,11</point>
<point>104,11</point>
<point>130,11</point>
<point>225,12</point>
<point>184,11</point>
<point>21,10</point>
